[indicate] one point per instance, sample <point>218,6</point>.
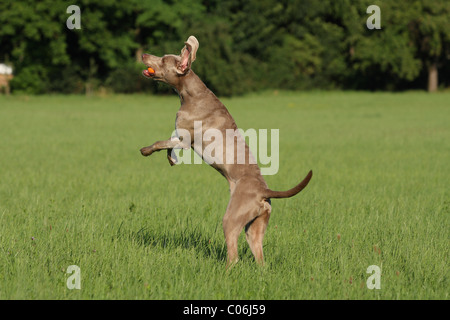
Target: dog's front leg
<point>173,143</point>
<point>171,157</point>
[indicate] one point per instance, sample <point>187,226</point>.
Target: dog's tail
<point>291,192</point>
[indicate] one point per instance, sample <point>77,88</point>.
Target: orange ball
<point>150,70</point>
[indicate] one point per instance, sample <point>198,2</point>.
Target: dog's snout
<point>144,56</point>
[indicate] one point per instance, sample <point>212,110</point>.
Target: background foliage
<point>244,45</point>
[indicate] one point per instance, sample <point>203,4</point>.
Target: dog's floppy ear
<point>188,54</point>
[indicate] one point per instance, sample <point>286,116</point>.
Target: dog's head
<point>170,68</point>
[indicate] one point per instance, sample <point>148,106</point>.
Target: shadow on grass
<point>187,239</point>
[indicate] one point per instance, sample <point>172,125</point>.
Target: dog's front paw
<point>146,151</point>
<point>172,159</point>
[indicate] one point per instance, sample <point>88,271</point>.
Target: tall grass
<point>74,190</point>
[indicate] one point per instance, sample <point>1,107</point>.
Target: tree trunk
<point>139,53</point>
<point>432,77</point>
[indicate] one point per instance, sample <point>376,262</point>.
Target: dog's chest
<point>187,119</point>
<point>184,121</point>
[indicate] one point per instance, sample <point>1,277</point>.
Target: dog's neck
<point>191,88</point>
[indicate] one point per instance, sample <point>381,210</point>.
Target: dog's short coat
<point>249,206</point>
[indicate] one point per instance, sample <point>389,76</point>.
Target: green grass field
<point>74,190</point>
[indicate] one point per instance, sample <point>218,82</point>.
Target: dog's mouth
<point>149,72</point>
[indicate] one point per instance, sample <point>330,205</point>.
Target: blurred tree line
<point>245,45</point>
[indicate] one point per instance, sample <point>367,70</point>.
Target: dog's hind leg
<point>240,211</point>
<point>254,232</point>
